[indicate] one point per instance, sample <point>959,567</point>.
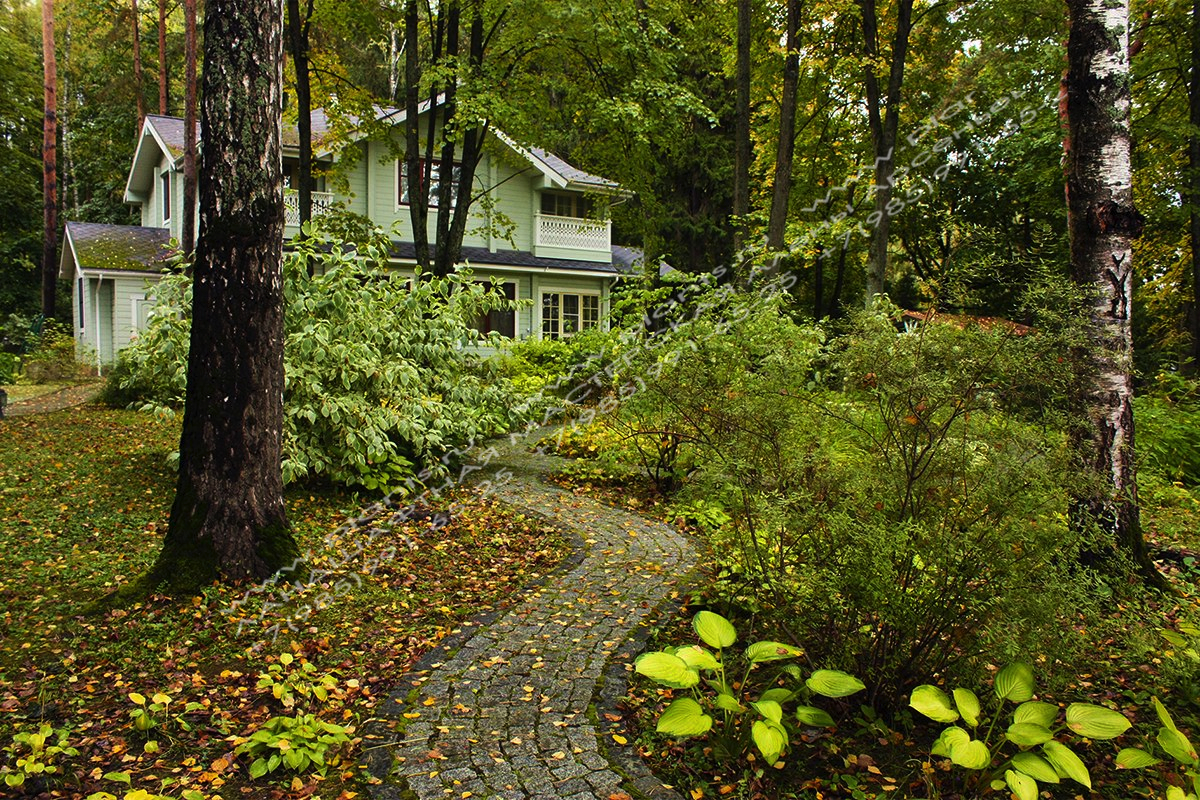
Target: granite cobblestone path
<point>503,712</point>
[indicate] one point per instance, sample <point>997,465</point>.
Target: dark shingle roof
<point>118,247</point>
<point>170,130</point>
<point>569,171</point>
<point>480,256</point>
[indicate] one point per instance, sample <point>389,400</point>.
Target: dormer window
<point>165,191</point>
<point>435,181</point>
<point>563,204</point>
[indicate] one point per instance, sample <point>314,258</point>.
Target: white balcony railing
<point>575,233</point>
<point>321,202</point>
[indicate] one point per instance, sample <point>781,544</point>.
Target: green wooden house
<point>537,235</point>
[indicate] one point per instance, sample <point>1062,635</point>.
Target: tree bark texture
<point>49,161</point>
<point>883,116</point>
<point>741,123</point>
<point>418,202</point>
<point>777,224</point>
<point>1194,186</point>
<point>162,57</point>
<point>189,127</point>
<point>1103,223</point>
<point>137,65</point>
<point>228,520</point>
<point>298,27</point>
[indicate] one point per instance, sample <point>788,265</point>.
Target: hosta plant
<point>292,680</point>
<point>1018,750</point>
<point>36,755</point>
<point>1176,745</point>
<point>719,696</point>
<point>297,743</point>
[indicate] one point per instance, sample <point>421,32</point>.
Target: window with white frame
<point>165,191</point>
<point>565,313</point>
<point>403,184</point>
<point>567,204</point>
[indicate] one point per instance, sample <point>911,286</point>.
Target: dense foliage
<point>382,374</point>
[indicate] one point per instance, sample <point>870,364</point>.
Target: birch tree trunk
<point>1103,223</point>
<point>228,520</point>
<point>49,161</point>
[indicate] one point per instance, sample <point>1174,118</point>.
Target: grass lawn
<point>20,392</point>
<point>158,695</point>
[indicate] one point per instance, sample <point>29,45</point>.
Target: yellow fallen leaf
<point>697,793</point>
<point>619,739</point>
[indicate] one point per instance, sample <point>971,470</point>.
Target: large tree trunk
<point>883,116</point>
<point>189,128</point>
<point>777,224</point>
<point>1194,185</point>
<point>228,520</point>
<point>49,161</point>
<point>298,35</point>
<point>137,66</point>
<point>443,263</point>
<point>162,57</point>
<point>1103,223</point>
<point>418,201</point>
<point>741,123</point>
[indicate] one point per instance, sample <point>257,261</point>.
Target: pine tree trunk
<point>418,201</point>
<point>298,36</point>
<point>1103,223</point>
<point>883,116</point>
<point>741,123</point>
<point>1194,185</point>
<point>137,66</point>
<point>162,56</point>
<point>228,520</point>
<point>189,128</point>
<point>777,224</point>
<point>49,162</point>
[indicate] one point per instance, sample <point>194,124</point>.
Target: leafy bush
<point>1177,746</point>
<point>16,334</point>
<point>289,683</point>
<point>381,379</point>
<point>1167,421</point>
<point>769,728</point>
<point>10,367</point>
<point>296,743</point>
<point>52,357</point>
<point>888,507</point>
<point>36,755</point>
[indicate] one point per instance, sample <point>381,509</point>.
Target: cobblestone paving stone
<point>502,710</point>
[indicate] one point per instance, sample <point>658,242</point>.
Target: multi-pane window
<point>564,313</point>
<point>501,321</point>
<point>562,204</point>
<point>165,191</point>
<point>403,184</point>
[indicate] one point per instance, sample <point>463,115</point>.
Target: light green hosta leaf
<point>684,717</point>
<point>808,715</point>
<point>1133,758</point>
<point>770,739</point>
<point>968,705</point>
<point>714,630</point>
<point>1066,763</point>
<point>1177,746</point>
<point>1037,712</point>
<point>833,683</point>
<point>727,702</point>
<point>1026,734</point>
<point>1035,767</point>
<point>666,669</point>
<point>1096,722</point>
<point>1175,793</point>
<point>1015,683</point>
<point>759,652</point>
<point>769,709</point>
<point>777,695</point>
<point>972,755</point>
<point>933,703</point>
<point>1163,716</point>
<point>1023,786</point>
<point>949,739</point>
<point>697,657</point>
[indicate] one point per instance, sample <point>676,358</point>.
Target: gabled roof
<point>159,136</point>
<point>94,246</point>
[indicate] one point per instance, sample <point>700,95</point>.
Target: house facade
<point>532,229</point>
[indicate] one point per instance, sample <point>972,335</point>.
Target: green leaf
<point>697,657</point>
<point>972,755</point>
<point>1163,716</point>
<point>777,695</point>
<point>1066,763</point>
<point>1035,767</point>
<point>137,698</point>
<point>1177,746</point>
<point>760,652</point>
<point>968,706</point>
<point>714,630</point>
<point>666,669</point>
<point>727,702</point>
<point>684,717</point>
<point>120,777</point>
<point>809,715</point>
<point>933,703</point>
<point>1037,712</point>
<point>1023,786</point>
<point>833,683</point>
<point>1175,793</point>
<point>949,739</point>
<point>258,768</point>
<point>770,740</point>
<point>769,709</point>
<point>1027,734</point>
<point>1096,722</point>
<point>1133,758</point>
<point>1015,683</point>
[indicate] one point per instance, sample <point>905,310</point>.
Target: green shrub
<point>296,743</point>
<point>36,755</point>
<point>52,357</point>
<point>1167,422</point>
<point>10,367</point>
<point>381,378</point>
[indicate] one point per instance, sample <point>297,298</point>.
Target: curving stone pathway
<point>505,709</point>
